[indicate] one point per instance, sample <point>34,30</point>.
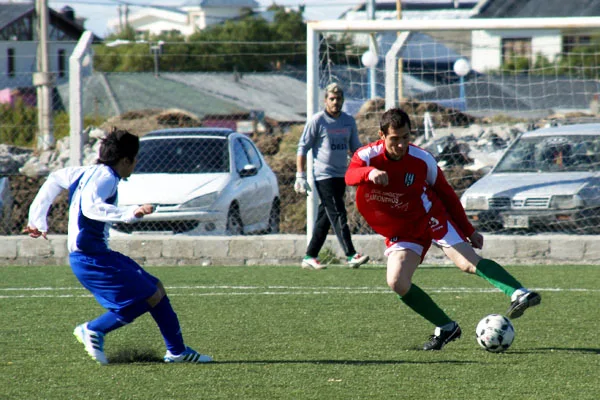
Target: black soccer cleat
<point>522,303</point>
<point>437,342</point>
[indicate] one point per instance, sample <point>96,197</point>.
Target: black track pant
<point>332,213</point>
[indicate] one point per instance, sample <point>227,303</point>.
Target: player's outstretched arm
<point>144,210</point>
<point>378,177</point>
<point>34,232</point>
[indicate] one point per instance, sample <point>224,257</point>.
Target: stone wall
<point>289,249</point>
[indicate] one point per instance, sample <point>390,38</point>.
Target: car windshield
<point>552,154</point>
<point>183,156</point>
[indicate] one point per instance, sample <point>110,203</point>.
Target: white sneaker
<point>309,262</point>
<point>189,355</point>
<point>92,341</point>
<point>357,260</point>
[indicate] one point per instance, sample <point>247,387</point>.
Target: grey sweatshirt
<point>331,140</point>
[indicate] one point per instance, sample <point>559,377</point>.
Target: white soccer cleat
<point>309,262</point>
<point>92,341</point>
<point>357,260</point>
<point>189,355</point>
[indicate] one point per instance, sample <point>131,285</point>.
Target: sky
<point>98,12</point>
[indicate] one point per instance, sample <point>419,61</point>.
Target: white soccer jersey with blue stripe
<point>92,209</point>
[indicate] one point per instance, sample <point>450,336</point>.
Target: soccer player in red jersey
<point>404,196</point>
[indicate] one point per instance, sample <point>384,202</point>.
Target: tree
<point>246,44</point>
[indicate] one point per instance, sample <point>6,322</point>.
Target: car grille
<point>530,202</point>
<point>499,202</point>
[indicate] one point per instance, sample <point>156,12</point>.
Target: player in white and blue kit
<point>117,282</point>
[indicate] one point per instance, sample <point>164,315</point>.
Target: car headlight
<point>204,201</point>
<point>475,203</point>
<point>565,202</point>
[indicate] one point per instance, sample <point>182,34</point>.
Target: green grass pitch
<point>280,332</point>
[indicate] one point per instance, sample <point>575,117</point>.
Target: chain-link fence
<point>213,188</point>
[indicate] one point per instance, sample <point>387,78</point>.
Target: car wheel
<point>274,217</point>
<point>234,221</point>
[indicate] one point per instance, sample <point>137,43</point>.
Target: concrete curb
<point>160,250</point>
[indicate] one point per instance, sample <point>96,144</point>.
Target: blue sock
<point>106,323</point>
<point>168,323</point>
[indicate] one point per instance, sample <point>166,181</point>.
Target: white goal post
<point>317,28</point>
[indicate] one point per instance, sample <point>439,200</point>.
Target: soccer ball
<point>495,333</point>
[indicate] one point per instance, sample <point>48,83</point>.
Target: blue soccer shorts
<point>115,280</point>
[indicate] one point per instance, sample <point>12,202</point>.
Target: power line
<point>295,3</point>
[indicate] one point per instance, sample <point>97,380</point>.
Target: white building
<point>494,48</point>
<point>192,16</point>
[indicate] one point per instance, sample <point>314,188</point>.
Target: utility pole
<point>120,18</point>
<point>156,50</point>
<point>42,79</point>
<point>126,16</point>
<point>400,62</point>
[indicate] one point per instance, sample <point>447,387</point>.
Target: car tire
<point>235,225</point>
<point>274,217</point>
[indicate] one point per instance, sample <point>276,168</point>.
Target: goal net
<point>472,89</point>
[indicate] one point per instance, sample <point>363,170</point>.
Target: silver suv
<point>548,180</point>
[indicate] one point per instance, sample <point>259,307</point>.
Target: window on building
<point>515,48</point>
<point>10,66</point>
<point>570,42</point>
<point>61,63</point>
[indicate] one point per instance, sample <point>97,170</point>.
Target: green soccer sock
<point>495,274</point>
<point>422,304</point>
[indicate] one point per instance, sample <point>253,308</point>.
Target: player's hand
<point>378,177</point>
<point>476,240</point>
<point>34,232</point>
<point>301,185</point>
<point>144,210</point>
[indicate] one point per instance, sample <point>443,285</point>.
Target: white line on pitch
<point>319,288</point>
<point>268,290</point>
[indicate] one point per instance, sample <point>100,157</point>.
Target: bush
<point>18,124</point>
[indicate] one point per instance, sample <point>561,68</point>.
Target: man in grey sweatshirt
<point>331,135</point>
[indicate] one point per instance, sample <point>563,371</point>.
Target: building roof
<point>419,47</point>
<point>538,8</point>
<point>171,9</point>
<point>10,12</point>
<point>221,3</point>
<point>281,97</point>
<point>415,9</point>
<point>419,5</point>
<point>112,94</point>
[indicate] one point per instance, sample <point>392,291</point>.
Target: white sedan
<point>202,181</point>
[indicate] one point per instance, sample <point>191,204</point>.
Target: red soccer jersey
<point>416,191</point>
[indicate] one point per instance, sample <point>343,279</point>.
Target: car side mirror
<point>248,170</point>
